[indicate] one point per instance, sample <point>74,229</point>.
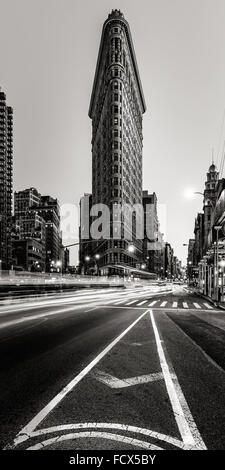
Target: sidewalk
<point>209,299</point>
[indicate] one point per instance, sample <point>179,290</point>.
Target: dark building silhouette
<point>48,209</point>
<point>153,245</point>
<point>6,163</point>
<point>29,232</point>
<point>37,219</point>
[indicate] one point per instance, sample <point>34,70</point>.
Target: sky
<point>48,56</point>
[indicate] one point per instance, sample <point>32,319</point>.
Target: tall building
<point>116,109</point>
<point>153,245</point>
<point>48,209</point>
<point>36,219</point>
<point>29,232</point>
<point>209,203</point>
<point>6,163</point>
<point>25,200</point>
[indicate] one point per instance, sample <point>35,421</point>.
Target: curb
<point>216,304</point>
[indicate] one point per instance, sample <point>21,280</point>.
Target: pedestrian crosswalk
<point>179,304</point>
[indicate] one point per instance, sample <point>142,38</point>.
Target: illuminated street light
<point>189,193</point>
<point>87,258</point>
<point>97,256</point>
<point>131,248</point>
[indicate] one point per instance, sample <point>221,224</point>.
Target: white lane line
<point>153,303</point>
<point>186,424</point>
<point>122,427</point>
<point>54,402</point>
<point>132,302</point>
<point>119,302</point>
<point>185,305</point>
<point>175,304</point>
<point>113,382</point>
<point>142,303</point>
<point>207,305</point>
<point>163,304</point>
<point>98,435</point>
<point>196,305</point>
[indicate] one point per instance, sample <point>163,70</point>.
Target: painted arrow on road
<point>114,382</point>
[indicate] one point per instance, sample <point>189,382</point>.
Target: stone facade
<point>116,109</point>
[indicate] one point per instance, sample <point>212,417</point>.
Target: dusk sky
<point>48,56</point>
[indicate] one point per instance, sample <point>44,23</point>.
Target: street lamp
<point>58,266</point>
<point>97,257</point>
<point>216,273</point>
<point>131,248</point>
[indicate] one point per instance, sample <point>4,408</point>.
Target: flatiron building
<point>116,109</point>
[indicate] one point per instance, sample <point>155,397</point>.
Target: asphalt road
<point>113,369</point>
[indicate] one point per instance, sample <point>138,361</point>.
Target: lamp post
<point>205,258</point>
<point>222,265</point>
<point>59,266</point>
<point>97,257</point>
<point>216,269</point>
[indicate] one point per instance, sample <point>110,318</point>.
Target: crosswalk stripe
<point>196,305</point>
<point>132,302</point>
<point>120,302</point>
<point>185,305</point>
<point>175,304</point>
<point>152,303</point>
<point>163,304</point>
<point>207,305</point>
<point>143,302</point>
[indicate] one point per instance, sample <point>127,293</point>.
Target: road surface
<point>113,369</point>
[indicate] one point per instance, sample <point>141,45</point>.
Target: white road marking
<point>114,382</point>
<point>175,304</point>
<point>155,308</point>
<point>163,304</point>
<point>141,303</point>
<point>196,305</point>
<point>52,404</point>
<point>185,305</point>
<point>98,435</point>
<point>153,303</point>
<point>208,306</point>
<point>185,422</point>
<point>122,427</point>
<point>132,302</point>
